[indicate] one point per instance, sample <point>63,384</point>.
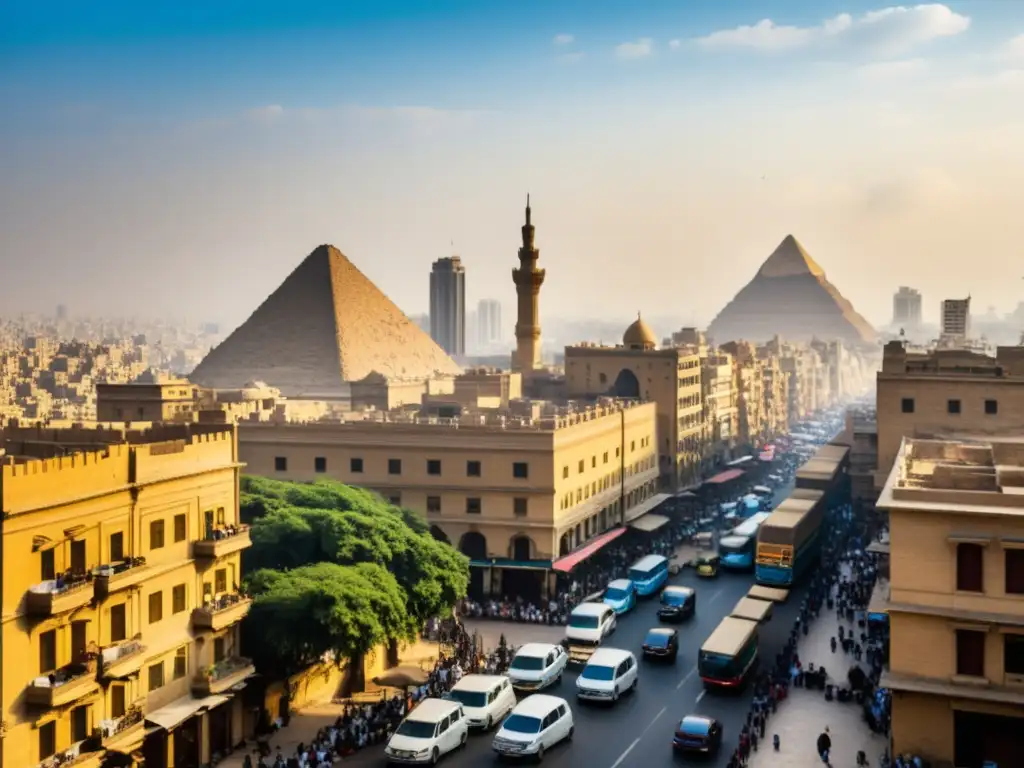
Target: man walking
<point>824,746</point>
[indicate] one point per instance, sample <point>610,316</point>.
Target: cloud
<point>888,30</point>
<point>638,49</point>
<point>1006,79</point>
<point>267,112</point>
<point>922,189</point>
<point>563,39</point>
<point>885,70</point>
<point>409,117</point>
<point>675,45</point>
<point>1013,48</point>
<point>569,58</point>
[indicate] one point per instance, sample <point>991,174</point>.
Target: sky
<point>180,158</point>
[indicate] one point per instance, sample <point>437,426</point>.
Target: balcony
<point>63,686</point>
<point>222,542</point>
<point>123,574</point>
<point>83,754</point>
<point>125,734</point>
<point>221,612</point>
<point>222,676</point>
<point>56,596</point>
<point>122,659</point>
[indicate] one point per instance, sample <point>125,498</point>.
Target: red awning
<point>725,477</point>
<point>570,561</point>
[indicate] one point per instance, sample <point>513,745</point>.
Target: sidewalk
<point>805,714</point>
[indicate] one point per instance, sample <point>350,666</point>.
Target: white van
<point>485,699</point>
<point>590,623</point>
<point>537,665</point>
<point>434,728</point>
<point>537,724</point>
<point>609,673</point>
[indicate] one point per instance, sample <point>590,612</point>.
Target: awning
<point>570,561</point>
<point>649,522</point>
<point>724,477</point>
<point>740,460</point>
<point>504,562</point>
<point>646,506</point>
<point>177,712</point>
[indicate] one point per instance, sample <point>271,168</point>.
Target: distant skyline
<point>180,159</point>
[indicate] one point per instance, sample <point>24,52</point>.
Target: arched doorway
<point>440,535</point>
<point>626,384</point>
<point>565,544</point>
<point>526,583</point>
<point>473,545</point>
<point>521,548</point>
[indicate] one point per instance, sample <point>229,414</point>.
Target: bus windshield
<point>734,545</point>
<point>716,664</point>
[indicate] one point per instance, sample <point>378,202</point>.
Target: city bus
<point>729,655</point>
<point>648,574</point>
<point>738,547</point>
<point>789,541</point>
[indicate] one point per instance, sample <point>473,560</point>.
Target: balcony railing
<point>84,753</point>
<point>122,659</point>
<point>222,676</point>
<point>59,595</point>
<point>221,612</point>
<point>63,686</point>
<point>222,541</point>
<point>122,574</point>
<point>125,733</point>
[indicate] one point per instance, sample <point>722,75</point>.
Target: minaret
<point>528,280</point>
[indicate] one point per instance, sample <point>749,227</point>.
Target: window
<point>78,557</point>
<point>180,662</point>
<point>472,506</point>
<point>1015,571</point>
<point>520,470</point>
<point>632,445</point>
<point>953,406</point>
<point>320,464</point>
<point>156,534</point>
<point>970,653</point>
<point>991,407</point>
<point>970,565</point>
<point>395,499</point>
<point>47,568</point>
<point>79,723</point>
<point>156,607</point>
<point>180,526</point>
<point>47,651</point>
<point>394,466</point>
<point>355,466</point>
<point>433,504</point>
<point>118,623</point>
<point>565,473</point>
<point>580,467</point>
<point>178,599</point>
<point>218,649</point>
<point>473,469</point>
<point>156,676</point>
<point>606,457</point>
<point>220,580</point>
<point>519,506</point>
<point>280,463</point>
<point>47,739</point>
<point>1013,654</point>
<point>118,700</point>
<point>907,405</point>
<point>433,466</point>
<point>593,462</point>
<point>116,547</point>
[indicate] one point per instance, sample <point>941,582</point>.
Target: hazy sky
<point>182,156</point>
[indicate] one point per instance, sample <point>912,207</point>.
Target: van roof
<point>647,562</point>
<point>478,683</point>
<point>536,649</point>
<point>608,657</point>
<point>620,584</point>
<point>590,609</point>
<point>431,710</point>
<point>538,705</point>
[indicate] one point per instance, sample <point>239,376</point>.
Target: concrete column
<point>203,737</point>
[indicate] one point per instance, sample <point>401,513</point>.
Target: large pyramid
<point>326,324</point>
<point>790,297</point>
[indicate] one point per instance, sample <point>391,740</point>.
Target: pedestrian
<point>247,762</point>
<point>824,746</point>
<point>776,741</point>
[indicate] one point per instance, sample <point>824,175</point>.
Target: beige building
<point>151,398</point>
<point>670,377</point>
<point>956,601</point>
<point>120,607</point>
<point>512,493</point>
<point>721,405</point>
<point>752,426</point>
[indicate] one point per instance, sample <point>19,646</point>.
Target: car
<point>697,734</point>
<point>485,699</point>
<point>677,603</point>
<point>432,729</point>
<point>590,623</point>
<point>537,723</point>
<point>661,643</point>
<point>620,596</point>
<point>707,566</point>
<point>536,666</point>
<point>609,673</point>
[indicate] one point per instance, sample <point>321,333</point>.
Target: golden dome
<point>639,335</point>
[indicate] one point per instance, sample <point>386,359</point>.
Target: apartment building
<point>956,601</point>
<point>121,559</point>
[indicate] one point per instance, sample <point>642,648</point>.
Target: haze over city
<point>184,159</point>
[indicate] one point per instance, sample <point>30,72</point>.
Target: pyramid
<point>325,325</point>
<point>790,297</point>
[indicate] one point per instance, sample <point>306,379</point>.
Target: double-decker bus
<point>738,547</point>
<point>789,541</point>
<point>730,654</point>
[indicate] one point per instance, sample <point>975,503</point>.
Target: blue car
<point>620,596</point>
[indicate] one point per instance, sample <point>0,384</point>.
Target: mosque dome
<point>639,335</point>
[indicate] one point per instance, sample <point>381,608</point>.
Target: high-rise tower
<point>528,279</point>
<point>448,305</point>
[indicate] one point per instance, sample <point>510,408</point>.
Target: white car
<point>434,728</point>
<point>536,666</point>
<point>485,699</point>
<point>590,623</point>
<point>537,724</point>
<point>609,673</point>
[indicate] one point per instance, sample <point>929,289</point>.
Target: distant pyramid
<point>326,324</point>
<point>790,297</point>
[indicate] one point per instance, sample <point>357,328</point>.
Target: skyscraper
<point>448,305</point>
<point>906,307</point>
<point>488,322</point>
<point>956,318</point>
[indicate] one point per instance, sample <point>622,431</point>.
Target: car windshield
<point>673,598</point>
<point>593,672</point>
<point>657,639</point>
<point>583,622</point>
<point>531,663</point>
<point>416,729</point>
<point>614,593</point>
<point>521,724</point>
<point>469,698</point>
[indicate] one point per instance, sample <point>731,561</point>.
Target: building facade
<point>906,308</point>
<point>154,400</point>
<point>448,305</point>
<point>488,321</point>
<point>956,601</point>
<point>121,560</point>
<point>956,319</point>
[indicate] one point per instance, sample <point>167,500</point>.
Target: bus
<point>648,574</point>
<point>737,549</point>
<point>789,541</point>
<point>729,655</point>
